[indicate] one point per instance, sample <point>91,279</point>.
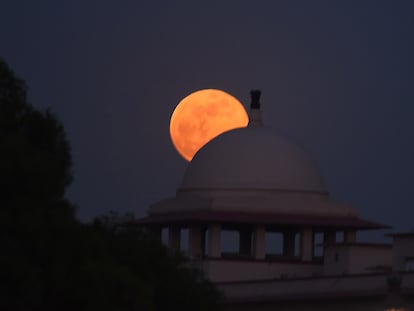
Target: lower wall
<point>360,304</point>
<point>353,292</point>
<point>227,270</point>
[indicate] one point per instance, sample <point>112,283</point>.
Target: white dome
<point>252,158</point>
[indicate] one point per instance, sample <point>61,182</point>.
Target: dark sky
<point>336,76</point>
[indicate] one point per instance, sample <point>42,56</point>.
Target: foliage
<point>35,157</point>
<point>51,261</point>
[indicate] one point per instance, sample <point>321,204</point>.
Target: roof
<point>252,158</point>
<point>187,218</point>
<point>253,201</point>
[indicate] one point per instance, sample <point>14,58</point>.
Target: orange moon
<point>203,115</point>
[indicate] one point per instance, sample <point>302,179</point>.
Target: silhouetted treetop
<point>12,96</point>
<point>35,157</point>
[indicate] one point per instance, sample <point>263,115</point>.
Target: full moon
<point>203,115</point>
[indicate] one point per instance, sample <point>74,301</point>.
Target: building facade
<point>291,246</point>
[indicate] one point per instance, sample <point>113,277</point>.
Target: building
<point>293,247</point>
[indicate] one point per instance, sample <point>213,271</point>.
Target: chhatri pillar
<point>349,236</point>
<point>259,242</point>
<point>306,244</point>
<point>214,240</point>
<point>289,243</point>
<point>329,237</point>
<point>195,243</point>
<point>174,237</point>
<point>245,242</point>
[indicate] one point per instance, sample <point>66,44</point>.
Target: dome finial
<point>255,115</point>
<point>255,96</point>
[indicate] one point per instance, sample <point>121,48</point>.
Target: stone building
<point>292,246</point>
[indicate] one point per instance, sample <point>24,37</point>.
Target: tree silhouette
<point>35,154</point>
<point>51,261</point>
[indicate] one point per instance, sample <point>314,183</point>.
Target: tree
<point>174,285</point>
<point>35,154</point>
<point>35,218</point>
<point>51,261</point>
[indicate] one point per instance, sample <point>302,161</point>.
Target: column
<point>245,245</point>
<point>203,241</point>
<point>289,244</point>
<point>174,237</point>
<point>306,244</point>
<point>214,240</point>
<point>259,242</point>
<point>329,237</point>
<point>349,236</point>
<point>195,243</point>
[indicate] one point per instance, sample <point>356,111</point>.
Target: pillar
<point>350,236</point>
<point>195,244</point>
<point>203,241</point>
<point>289,244</point>
<point>214,240</point>
<point>329,237</point>
<point>245,245</point>
<point>259,242</point>
<point>174,238</point>
<point>306,244</point>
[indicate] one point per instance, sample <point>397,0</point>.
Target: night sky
<point>336,76</point>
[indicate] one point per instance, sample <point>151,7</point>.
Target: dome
<point>252,158</point>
